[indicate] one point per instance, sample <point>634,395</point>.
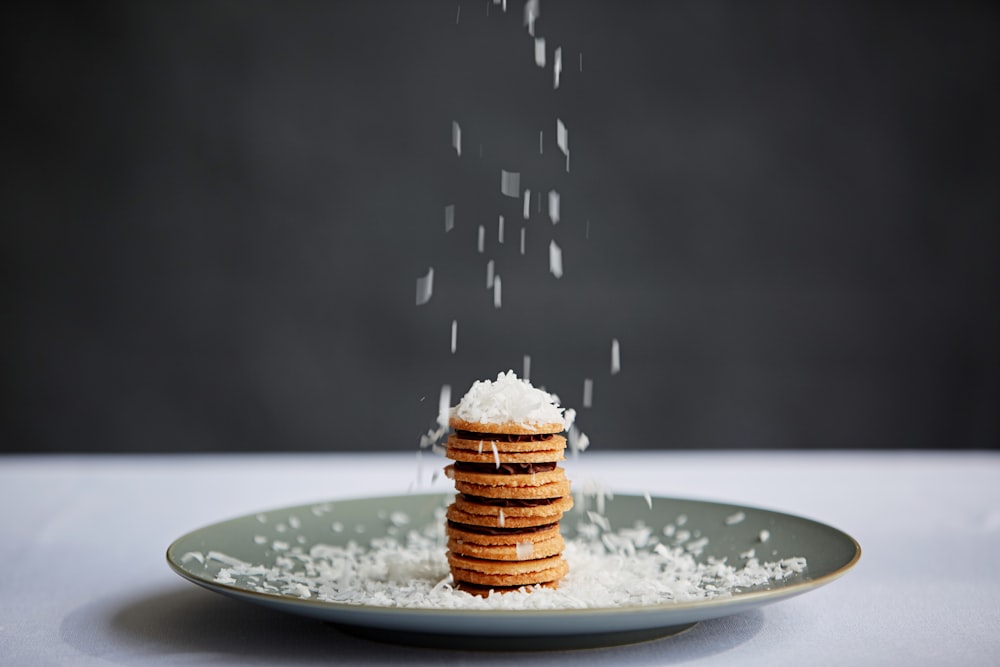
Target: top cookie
<point>505,427</point>
<point>509,405</point>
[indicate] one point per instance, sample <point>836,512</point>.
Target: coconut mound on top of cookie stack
<point>503,527</point>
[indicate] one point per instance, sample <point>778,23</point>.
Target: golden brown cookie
<point>488,456</point>
<point>472,533</point>
<point>497,520</point>
<point>552,507</point>
<point>506,573</point>
<point>524,549</point>
<point>484,445</point>
<point>484,591</point>
<point>535,479</point>
<point>550,490</point>
<point>519,428</point>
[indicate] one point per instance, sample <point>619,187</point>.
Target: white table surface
<point>84,580</point>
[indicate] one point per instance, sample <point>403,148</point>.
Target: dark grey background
<point>215,214</point>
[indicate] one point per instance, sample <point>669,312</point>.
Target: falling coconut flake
<point>425,287</point>
<point>456,136</point>
<point>557,68</point>
<point>522,240</point>
<point>555,259</point>
<point>496,292</point>
<point>481,241</point>
<point>454,336</point>
<point>540,51</point>
<point>489,274</point>
<point>526,213</point>
<point>541,142</point>
<point>531,14</point>
<point>444,405</point>
<point>500,230</point>
<point>526,368</point>
<point>588,392</point>
<point>510,183</point>
<point>553,206</point>
<point>616,357</point>
<point>562,137</point>
<point>581,61</point>
<point>449,217</point>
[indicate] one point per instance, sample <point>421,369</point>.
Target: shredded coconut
<point>507,399</point>
<point>621,568</point>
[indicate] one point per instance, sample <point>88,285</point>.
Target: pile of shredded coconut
<point>637,566</point>
<point>511,399</point>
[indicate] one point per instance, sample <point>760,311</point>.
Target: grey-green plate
<point>828,551</point>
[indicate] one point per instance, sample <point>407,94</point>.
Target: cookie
<point>490,536</point>
<point>528,479</point>
<point>489,456</point>
<point>485,591</point>
<point>514,507</point>
<point>525,549</point>
<point>498,520</point>
<point>506,427</point>
<point>485,442</point>
<point>506,573</point>
<point>550,490</point>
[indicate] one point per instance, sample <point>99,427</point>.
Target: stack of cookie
<point>503,527</point>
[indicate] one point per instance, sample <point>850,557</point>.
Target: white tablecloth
<point>83,578</point>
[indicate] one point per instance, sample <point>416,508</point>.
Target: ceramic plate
<point>730,530</point>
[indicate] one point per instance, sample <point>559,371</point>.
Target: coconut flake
<point>425,287</point>
<point>764,536</point>
<point>555,259</point>
<point>526,212</point>
<point>735,518</point>
<point>541,143</point>
<point>540,51</point>
<point>522,240</point>
<point>456,131</point>
<point>510,183</point>
<point>497,292</point>
<point>444,403</point>
<point>526,368</point>
<point>454,336</point>
<point>557,68</point>
<point>554,206</point>
<point>531,13</point>
<point>648,498</point>
<point>562,137</point>
<point>449,217</point>
<point>489,274</point>
<point>496,452</point>
<point>500,230</point>
<point>501,519</point>
<point>525,550</point>
<point>616,357</point>
<point>588,392</point>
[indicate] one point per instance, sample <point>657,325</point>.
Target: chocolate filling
<point>492,530</point>
<point>506,468</point>
<point>509,502</point>
<point>503,437</point>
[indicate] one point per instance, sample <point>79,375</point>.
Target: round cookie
<point>551,509</point>
<point>485,591</point>
<point>486,479</point>
<point>506,573</point>
<point>516,428</point>
<point>494,521</point>
<point>485,444</point>
<point>551,490</point>
<point>525,549</point>
<point>511,538</point>
<point>487,455</point>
